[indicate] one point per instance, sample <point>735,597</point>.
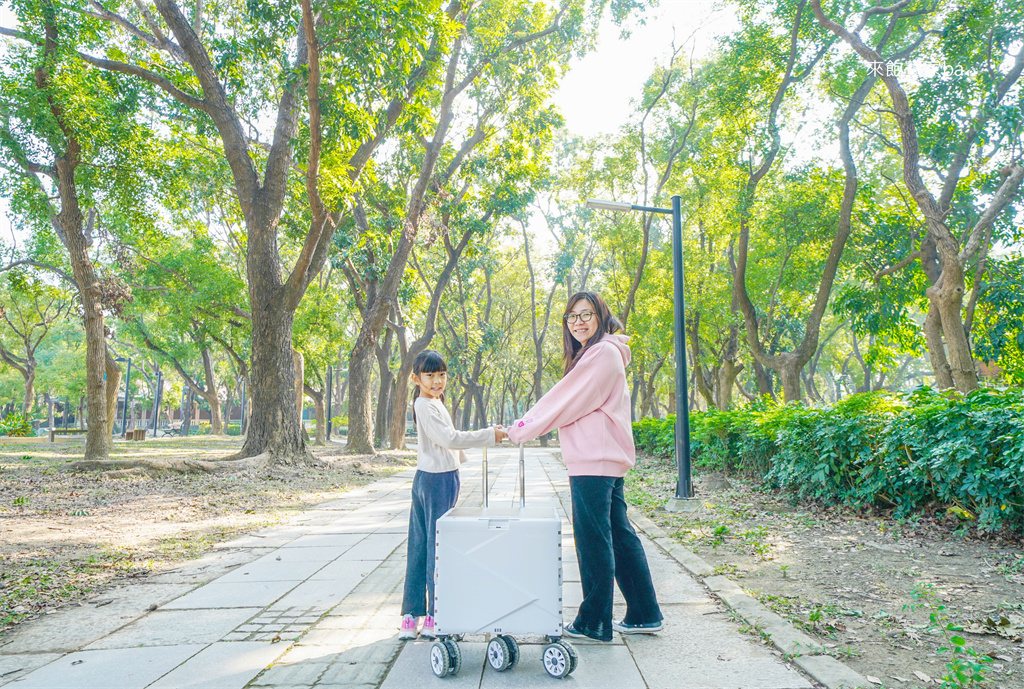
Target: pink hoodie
<point>590,409</point>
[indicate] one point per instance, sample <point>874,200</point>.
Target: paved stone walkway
<point>315,603</point>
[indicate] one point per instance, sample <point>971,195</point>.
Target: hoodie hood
<point>619,342</point>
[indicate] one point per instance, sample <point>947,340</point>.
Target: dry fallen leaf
<point>923,677</point>
<point>874,680</point>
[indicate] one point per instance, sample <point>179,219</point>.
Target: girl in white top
<point>435,488</point>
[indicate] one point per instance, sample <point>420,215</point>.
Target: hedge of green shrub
<point>905,452</point>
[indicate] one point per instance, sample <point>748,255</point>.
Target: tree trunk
<point>30,389</point>
<point>321,414</point>
<point>634,394</point>
<point>186,413</point>
<point>764,380</point>
<point>467,409</point>
<point>210,394</point>
<point>385,390</point>
<point>726,380</point>
<point>299,362</point>
<point>789,375</point>
<point>273,425</point>
<point>400,404</point>
<point>360,367</point>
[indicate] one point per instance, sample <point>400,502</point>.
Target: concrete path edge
<point>794,644</point>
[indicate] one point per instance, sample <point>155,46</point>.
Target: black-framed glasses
<point>573,317</point>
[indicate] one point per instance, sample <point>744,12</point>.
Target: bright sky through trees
<point>596,94</point>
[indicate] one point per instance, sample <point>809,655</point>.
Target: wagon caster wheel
<point>574,657</point>
<point>498,654</point>
<point>456,656</point>
<point>557,660</point>
<point>440,659</point>
<point>513,651</point>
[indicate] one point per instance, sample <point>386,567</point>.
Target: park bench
<point>67,431</point>
<point>136,434</point>
<point>173,430</point>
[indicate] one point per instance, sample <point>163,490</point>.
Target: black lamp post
<point>684,483</point>
<point>157,394</point>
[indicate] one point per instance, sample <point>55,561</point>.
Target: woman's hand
<point>499,434</point>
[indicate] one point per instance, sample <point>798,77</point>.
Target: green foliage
<point>908,452</point>
<point>967,665</point>
<point>16,425</point>
<point>1000,318</point>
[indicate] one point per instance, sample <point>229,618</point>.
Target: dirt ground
<point>65,537</point>
<point>875,591</point>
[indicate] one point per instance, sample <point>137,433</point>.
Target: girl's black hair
<point>572,350</point>
<point>427,361</point>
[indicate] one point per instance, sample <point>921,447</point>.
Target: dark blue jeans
<point>609,551</point>
<point>432,496</point>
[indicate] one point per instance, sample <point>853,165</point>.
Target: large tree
<point>61,125</point>
<point>967,125</point>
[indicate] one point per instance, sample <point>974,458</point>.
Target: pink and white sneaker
<point>428,628</point>
<point>408,628</point>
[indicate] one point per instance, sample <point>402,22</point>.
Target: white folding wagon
<point>498,572</point>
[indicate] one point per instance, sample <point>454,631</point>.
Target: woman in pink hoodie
<point>590,408</point>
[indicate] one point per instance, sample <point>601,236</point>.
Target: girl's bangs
<point>432,362</point>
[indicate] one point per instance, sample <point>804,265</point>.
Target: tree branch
<point>40,264</point>
<point>1001,199</point>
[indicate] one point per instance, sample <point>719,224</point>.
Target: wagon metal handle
<point>522,477</point>
<point>485,477</point>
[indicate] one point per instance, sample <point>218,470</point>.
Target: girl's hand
<point>499,434</point>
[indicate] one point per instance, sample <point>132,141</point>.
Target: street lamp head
<point>598,204</point>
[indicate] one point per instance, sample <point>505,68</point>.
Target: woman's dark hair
<point>572,350</point>
<point>427,361</point>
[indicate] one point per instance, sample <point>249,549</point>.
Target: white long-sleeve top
<point>438,439</point>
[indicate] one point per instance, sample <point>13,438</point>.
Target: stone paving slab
<point>73,628</point>
<point>700,649</point>
<point>272,570</point>
<point>605,666</point>
<point>320,594</point>
<point>328,540</point>
<point>376,546</point>
<point>15,667</point>
<point>222,666</point>
<point>231,595</point>
<point>208,567</point>
<point>322,554</point>
<point>123,668</point>
<point>175,627</point>
<point>412,669</point>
